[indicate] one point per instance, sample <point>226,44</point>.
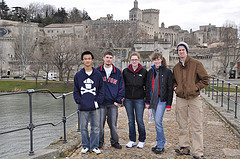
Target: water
<point>14,114</point>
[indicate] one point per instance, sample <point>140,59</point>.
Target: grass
<point>225,88</point>
<point>10,85</point>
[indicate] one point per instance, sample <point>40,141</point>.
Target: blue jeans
<point>93,117</point>
<point>158,117</point>
<point>135,107</point>
<point>109,113</point>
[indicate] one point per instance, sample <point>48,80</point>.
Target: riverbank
<point>15,85</point>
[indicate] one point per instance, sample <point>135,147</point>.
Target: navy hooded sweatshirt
<point>88,90</point>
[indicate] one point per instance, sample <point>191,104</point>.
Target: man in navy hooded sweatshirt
<point>88,93</point>
<point>113,97</point>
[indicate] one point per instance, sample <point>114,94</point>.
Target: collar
<point>102,68</point>
<point>138,69</point>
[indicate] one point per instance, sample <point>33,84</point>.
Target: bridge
<point>221,133</point>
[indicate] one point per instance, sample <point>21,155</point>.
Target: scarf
<point>154,99</point>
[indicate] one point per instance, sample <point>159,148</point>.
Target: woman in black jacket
<point>159,94</point>
<point>135,80</point>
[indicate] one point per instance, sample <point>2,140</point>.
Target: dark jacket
<point>114,86</point>
<point>135,82</point>
<point>166,85</point>
<point>88,89</point>
<point>188,77</point>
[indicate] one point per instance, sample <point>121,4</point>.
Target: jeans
<point>135,107</point>
<point>158,117</point>
<point>92,117</point>
<point>109,112</point>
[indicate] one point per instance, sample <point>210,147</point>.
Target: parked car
<point>17,77</point>
<point>5,76</point>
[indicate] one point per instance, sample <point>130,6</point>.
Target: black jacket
<point>166,84</point>
<point>135,83</point>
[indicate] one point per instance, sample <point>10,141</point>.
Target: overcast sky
<point>188,14</point>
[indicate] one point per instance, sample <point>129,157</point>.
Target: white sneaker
<point>96,150</point>
<point>140,145</point>
<point>84,150</point>
<point>130,144</point>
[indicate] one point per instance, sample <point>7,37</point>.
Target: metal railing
<point>213,89</point>
<point>31,126</point>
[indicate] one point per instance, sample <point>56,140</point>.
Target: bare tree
<point>46,50</point>
<point>62,53</point>
<point>24,45</point>
<point>35,68</point>
<point>230,50</point>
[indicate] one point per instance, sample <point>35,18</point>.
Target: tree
<point>46,50</point>
<point>35,68</point>
<point>4,10</point>
<point>230,50</point>
<point>60,16</point>
<point>62,53</point>
<point>75,15</point>
<point>24,45</point>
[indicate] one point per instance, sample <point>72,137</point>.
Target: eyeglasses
<point>134,59</point>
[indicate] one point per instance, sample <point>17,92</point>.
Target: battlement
<point>151,11</point>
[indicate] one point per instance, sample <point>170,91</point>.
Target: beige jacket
<point>188,77</point>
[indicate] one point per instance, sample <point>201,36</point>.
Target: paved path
<point>219,141</point>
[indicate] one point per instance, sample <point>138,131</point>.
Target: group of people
<point>99,92</point>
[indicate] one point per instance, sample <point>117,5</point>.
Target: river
<point>14,114</point>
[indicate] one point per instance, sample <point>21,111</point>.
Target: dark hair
<point>86,53</point>
<point>108,53</point>
<point>157,55</point>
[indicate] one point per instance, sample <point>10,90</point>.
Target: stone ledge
<point>58,148</point>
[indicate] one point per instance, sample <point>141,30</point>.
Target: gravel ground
<point>217,138</point>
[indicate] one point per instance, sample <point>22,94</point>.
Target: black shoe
<point>100,145</point>
<point>154,148</point>
<point>197,157</point>
<point>159,150</point>
<point>117,145</point>
<point>183,151</point>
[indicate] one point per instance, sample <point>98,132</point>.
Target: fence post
<point>212,87</point>
<point>217,91</point>
<point>64,120</point>
<point>31,125</point>
<point>228,97</point>
<point>236,103</point>
<point>222,93</point>
<point>209,86</point>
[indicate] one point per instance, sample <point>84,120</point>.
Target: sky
<point>188,14</point>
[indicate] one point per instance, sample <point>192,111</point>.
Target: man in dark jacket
<point>88,93</point>
<point>190,77</point>
<point>113,97</point>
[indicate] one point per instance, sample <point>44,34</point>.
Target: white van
<point>51,76</point>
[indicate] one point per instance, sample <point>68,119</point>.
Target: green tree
<point>60,16</point>
<point>4,10</point>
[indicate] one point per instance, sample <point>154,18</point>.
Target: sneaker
<point>159,150</point>
<point>117,145</point>
<point>130,144</point>
<point>84,150</point>
<point>140,145</point>
<point>183,151</point>
<point>96,150</point>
